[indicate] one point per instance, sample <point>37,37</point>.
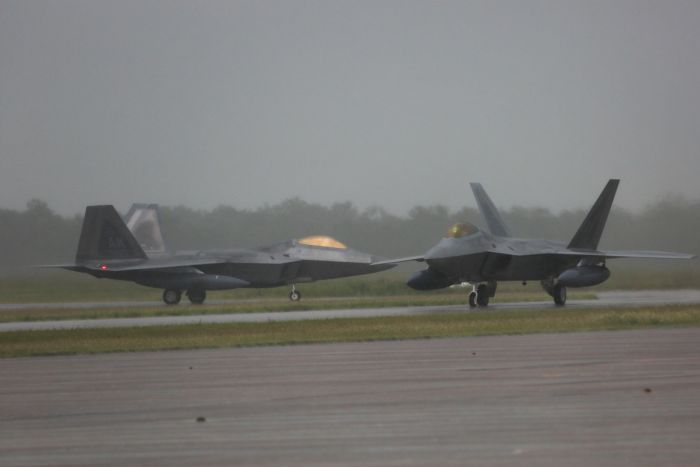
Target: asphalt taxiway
<point>605,299</point>
<point>604,398</point>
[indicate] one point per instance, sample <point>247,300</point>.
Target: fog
<point>37,235</point>
<point>379,103</point>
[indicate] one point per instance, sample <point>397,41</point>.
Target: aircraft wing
<point>535,250</point>
<point>627,254</point>
<point>647,254</point>
<point>399,260</point>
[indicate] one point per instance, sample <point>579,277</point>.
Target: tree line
<point>38,235</point>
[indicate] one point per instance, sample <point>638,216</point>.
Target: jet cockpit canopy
<point>322,241</point>
<point>460,230</point>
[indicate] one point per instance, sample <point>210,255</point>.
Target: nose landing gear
<point>294,295</point>
<point>481,293</point>
<point>472,298</point>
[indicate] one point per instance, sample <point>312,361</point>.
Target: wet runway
<point>605,299</point>
<point>605,398</point>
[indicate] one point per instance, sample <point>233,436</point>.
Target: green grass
<point>84,341</point>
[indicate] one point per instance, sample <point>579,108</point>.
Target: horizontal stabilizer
<point>172,264</point>
<point>69,266</point>
<point>489,212</point>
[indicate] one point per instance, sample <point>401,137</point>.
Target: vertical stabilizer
<point>105,236</point>
<point>143,221</point>
<point>588,235</point>
<point>489,212</point>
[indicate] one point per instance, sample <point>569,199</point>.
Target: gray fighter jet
<point>481,259</point>
<point>107,249</point>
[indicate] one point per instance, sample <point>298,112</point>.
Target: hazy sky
<point>393,103</point>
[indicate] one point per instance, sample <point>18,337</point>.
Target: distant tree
<point>37,235</point>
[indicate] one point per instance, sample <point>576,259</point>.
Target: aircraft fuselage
<point>483,257</point>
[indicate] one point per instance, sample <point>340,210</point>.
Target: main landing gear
<point>559,295</point>
<point>294,295</point>
<point>173,296</point>
<point>197,296</point>
<point>556,291</point>
<point>480,295</point>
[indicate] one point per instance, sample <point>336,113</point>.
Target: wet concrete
<point>606,398</point>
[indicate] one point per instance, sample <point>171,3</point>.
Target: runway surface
<point>605,299</point>
<point>605,398</point>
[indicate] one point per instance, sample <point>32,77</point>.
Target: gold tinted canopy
<point>461,230</point>
<point>322,241</point>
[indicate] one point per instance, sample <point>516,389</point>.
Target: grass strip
<point>87,341</point>
<point>260,306</point>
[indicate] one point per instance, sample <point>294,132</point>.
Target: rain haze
<point>389,103</point>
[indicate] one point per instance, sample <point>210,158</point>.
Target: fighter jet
<point>107,249</point>
<point>481,259</point>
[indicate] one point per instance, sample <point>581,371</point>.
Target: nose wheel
<point>294,295</point>
<point>479,296</point>
<point>472,299</point>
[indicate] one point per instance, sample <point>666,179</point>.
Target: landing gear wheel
<point>295,295</point>
<point>559,295</point>
<point>197,297</point>
<point>472,299</point>
<point>171,296</point>
<point>482,296</point>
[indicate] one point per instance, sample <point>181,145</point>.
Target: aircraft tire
<point>196,296</point>
<point>295,295</point>
<point>559,295</point>
<point>171,296</point>
<point>472,299</point>
<point>482,296</point>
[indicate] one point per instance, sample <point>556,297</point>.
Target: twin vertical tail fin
<point>588,234</point>
<point>143,221</point>
<point>106,237</point>
<point>489,212</point>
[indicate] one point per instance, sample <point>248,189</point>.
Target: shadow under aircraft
<point>108,249</point>
<point>481,258</point>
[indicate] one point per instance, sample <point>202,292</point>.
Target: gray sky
<point>380,103</point>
